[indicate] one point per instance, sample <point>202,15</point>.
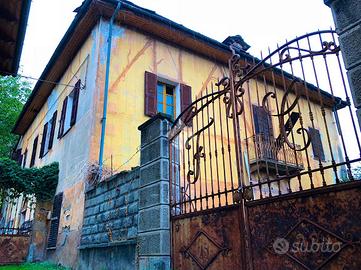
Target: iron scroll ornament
<point>284,112</point>
<point>241,74</point>
<point>198,153</point>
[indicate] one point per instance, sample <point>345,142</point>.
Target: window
<point>262,122</point>
<point>33,154</point>
<point>69,110</point>
<point>55,220</point>
<point>165,99</point>
<point>316,142</point>
<point>48,136</point>
<point>161,97</point>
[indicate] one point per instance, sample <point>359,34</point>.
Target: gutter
<point>106,90</point>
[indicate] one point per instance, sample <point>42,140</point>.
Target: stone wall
<point>126,218</point>
<point>110,227</point>
<point>347,17</point>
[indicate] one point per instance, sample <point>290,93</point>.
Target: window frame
<point>164,102</point>
<point>68,117</point>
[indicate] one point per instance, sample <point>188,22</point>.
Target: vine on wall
<point>38,182</point>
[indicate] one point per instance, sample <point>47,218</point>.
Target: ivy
<point>38,182</point>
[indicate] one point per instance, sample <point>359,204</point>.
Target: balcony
<point>265,154</point>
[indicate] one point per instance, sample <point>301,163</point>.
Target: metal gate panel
<point>208,240</point>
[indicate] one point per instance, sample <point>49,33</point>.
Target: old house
<point>159,66</point>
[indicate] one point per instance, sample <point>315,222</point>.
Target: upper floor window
<point>316,142</point>
<point>262,122</point>
<point>48,136</point>
<point>164,97</point>
<point>69,110</point>
<point>33,154</point>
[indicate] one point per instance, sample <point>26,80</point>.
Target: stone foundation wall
<point>110,227</point>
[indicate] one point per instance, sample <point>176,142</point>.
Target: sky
<point>261,23</point>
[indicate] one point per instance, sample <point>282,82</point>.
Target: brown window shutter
<point>62,118</point>
<point>33,154</point>
<point>262,122</point>
<point>150,94</point>
<point>17,156</point>
<point>185,100</point>
<point>25,157</point>
<point>42,147</point>
<point>55,220</point>
<point>52,131</point>
<point>316,141</point>
<point>74,110</point>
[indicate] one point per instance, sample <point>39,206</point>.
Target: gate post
<point>154,220</point>
<point>347,17</point>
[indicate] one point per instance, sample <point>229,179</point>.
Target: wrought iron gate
<point>273,128</point>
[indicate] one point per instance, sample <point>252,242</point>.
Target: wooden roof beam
<point>7,15</point>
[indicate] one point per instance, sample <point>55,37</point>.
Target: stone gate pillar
<point>154,219</point>
<point>347,17</point>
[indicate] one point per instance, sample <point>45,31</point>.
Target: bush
<point>38,182</point>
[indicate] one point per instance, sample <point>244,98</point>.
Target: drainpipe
<point>106,89</point>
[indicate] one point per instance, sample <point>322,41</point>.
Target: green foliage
<point>40,182</point>
<point>13,94</point>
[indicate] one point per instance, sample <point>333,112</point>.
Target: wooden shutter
<point>43,140</point>
<point>52,131</point>
<point>62,118</point>
<point>74,110</point>
<point>33,154</point>
<point>55,220</point>
<point>317,147</point>
<point>185,100</point>
<point>262,122</point>
<point>25,157</point>
<point>17,156</point>
<point>150,94</point>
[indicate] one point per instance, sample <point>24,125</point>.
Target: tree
<point>13,94</point>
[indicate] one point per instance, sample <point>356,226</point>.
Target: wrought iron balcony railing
<point>268,152</point>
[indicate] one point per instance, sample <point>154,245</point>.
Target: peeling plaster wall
<point>134,53</point>
<point>71,151</point>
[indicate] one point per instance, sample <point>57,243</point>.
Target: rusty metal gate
<point>273,129</point>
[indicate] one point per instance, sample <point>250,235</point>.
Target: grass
<point>33,266</point>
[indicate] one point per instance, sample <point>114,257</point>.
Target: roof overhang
<point>14,16</point>
<point>143,20</point>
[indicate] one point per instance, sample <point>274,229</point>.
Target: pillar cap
<point>161,116</point>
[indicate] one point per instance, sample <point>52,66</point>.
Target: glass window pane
<point>169,100</point>
<point>160,92</point>
<point>169,90</point>
<point>170,110</point>
<point>160,107</point>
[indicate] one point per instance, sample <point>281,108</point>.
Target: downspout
<point>106,89</point>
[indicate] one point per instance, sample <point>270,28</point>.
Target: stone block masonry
<point>111,210</point>
<point>153,218</point>
<point>126,218</point>
<point>347,17</point>
<point>110,228</point>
